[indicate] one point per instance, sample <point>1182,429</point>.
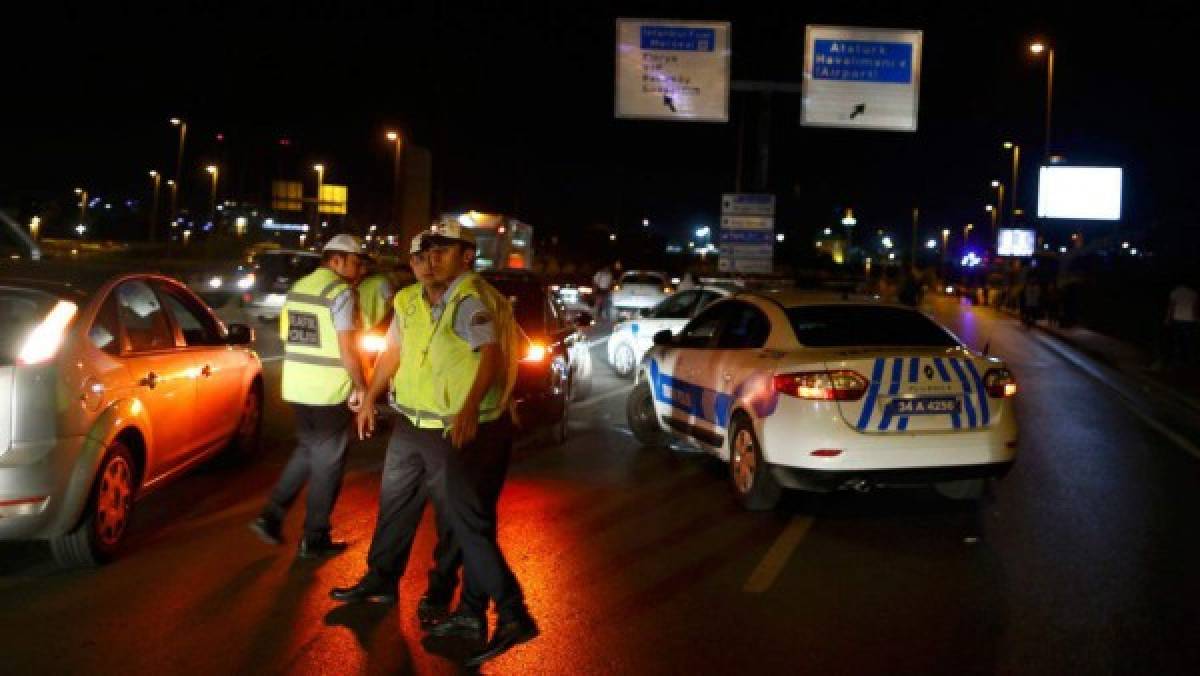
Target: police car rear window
<point>865,325</point>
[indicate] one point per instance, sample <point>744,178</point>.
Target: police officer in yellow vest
<point>323,381</point>
<point>451,364</point>
<point>375,294</point>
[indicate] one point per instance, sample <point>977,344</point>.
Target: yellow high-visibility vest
<point>438,368</point>
<point>313,372</point>
<point>373,308</point>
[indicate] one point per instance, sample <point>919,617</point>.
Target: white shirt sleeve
<point>345,316</point>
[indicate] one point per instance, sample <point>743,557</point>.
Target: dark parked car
<point>557,366</point>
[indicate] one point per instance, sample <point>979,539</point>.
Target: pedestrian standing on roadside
<point>602,281</point>
<point>1031,301</point>
<point>1183,313</point>
<point>324,383</point>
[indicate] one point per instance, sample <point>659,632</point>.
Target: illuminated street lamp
<point>1012,190</point>
<point>967,232</point>
<point>155,179</point>
<point>81,228</point>
<point>398,140</point>
<point>320,169</point>
<point>1037,48</point>
<point>176,122</point>
<point>35,224</point>
<point>215,172</point>
<point>83,202</point>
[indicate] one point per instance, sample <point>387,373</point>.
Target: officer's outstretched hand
<point>365,419</point>
<point>464,426</point>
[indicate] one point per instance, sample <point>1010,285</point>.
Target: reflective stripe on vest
<point>313,372</point>
<point>437,367</point>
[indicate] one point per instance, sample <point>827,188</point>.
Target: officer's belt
<point>419,418</point>
<point>312,359</point>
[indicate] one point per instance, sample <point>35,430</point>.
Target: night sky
<point>515,100</point>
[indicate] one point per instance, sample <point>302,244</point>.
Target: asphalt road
<point>1084,559</point>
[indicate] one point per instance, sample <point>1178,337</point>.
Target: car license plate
<point>925,406</point>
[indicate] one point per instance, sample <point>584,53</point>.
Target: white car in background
<point>637,290</point>
<point>796,390</point>
<point>631,338</point>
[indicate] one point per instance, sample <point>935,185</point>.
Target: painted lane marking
<point>777,556</point>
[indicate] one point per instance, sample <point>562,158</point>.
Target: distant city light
<point>931,244</point>
<point>612,238</point>
<point>891,255</point>
<point>1124,245</point>
<point>645,222</point>
<point>849,221</point>
<point>1133,252</point>
<point>779,237</point>
<point>971,259</point>
<point>703,231</point>
<point>1062,249</point>
<point>887,242</point>
<point>828,231</point>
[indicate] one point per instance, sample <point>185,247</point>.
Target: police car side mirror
<point>664,337</point>
<point>239,334</point>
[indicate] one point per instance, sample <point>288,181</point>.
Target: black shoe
<point>431,609</point>
<point>370,589</point>
<point>315,548</point>
<point>268,529</point>
<point>508,634</point>
<point>462,624</point>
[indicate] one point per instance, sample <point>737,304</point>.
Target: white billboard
<point>861,78</point>
<point>673,70</point>
<point>1015,242</point>
<point>1080,193</point>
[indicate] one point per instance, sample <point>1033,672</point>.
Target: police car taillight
<point>822,385</point>
<point>999,383</point>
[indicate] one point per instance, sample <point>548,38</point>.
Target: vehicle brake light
<point>1000,383</point>
<point>822,385</point>
<point>43,342</point>
<point>536,352</point>
<point>373,343</point>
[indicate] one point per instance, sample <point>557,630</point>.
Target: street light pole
<point>212,202</point>
<point>175,121</point>
<point>1038,48</point>
<point>83,199</point>
<point>397,215</point>
<point>320,169</point>
<point>999,216</point>
<point>154,204</point>
<point>1012,191</point>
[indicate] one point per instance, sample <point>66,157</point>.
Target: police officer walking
<point>323,381</point>
<point>451,364</point>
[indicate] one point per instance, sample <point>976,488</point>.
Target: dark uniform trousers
<point>464,485</point>
<point>322,433</point>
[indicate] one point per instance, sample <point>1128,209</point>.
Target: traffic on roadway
<point>525,340</point>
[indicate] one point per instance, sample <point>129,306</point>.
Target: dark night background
<point>515,100</point>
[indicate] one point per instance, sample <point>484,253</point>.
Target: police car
<point>814,392</point>
<point>631,339</point>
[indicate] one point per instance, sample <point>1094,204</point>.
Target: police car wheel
<point>643,421</point>
<point>963,489</point>
<point>752,480</point>
<point>624,361</point>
